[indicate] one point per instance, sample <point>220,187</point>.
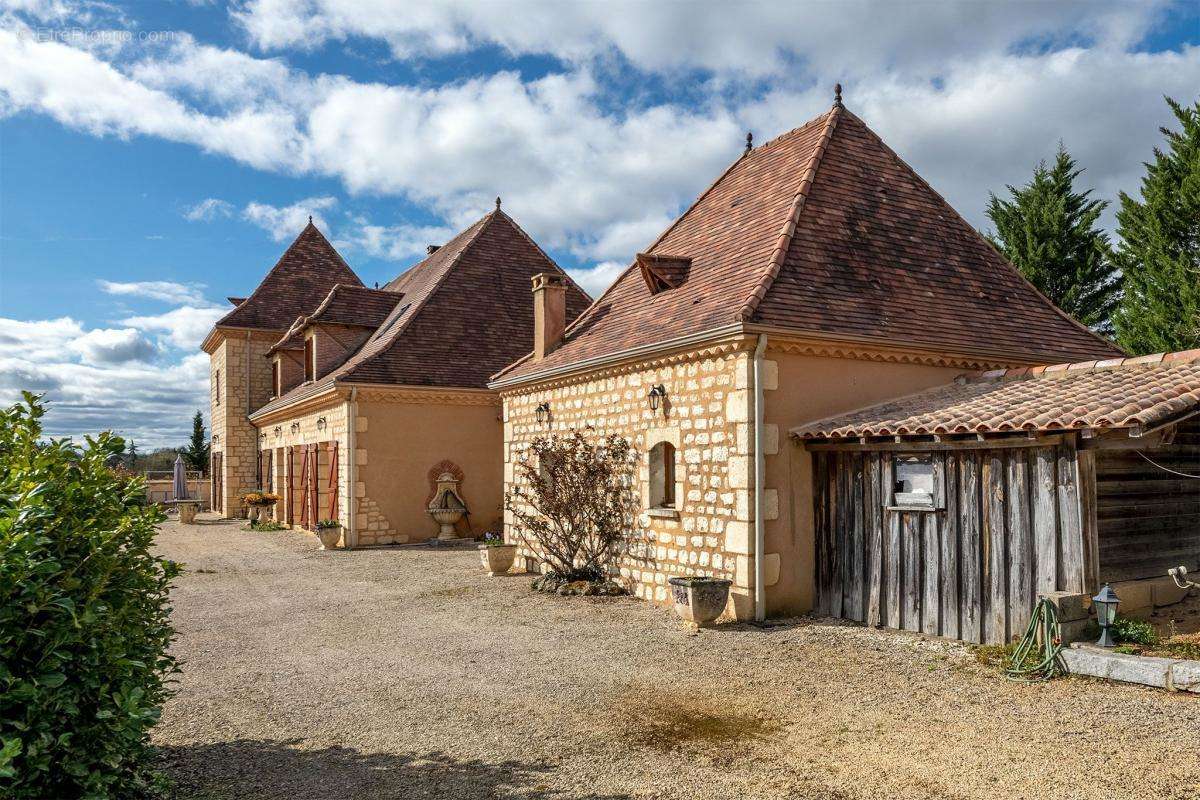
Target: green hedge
<point>84,620</point>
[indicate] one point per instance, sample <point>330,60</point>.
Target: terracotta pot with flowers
<point>497,556</point>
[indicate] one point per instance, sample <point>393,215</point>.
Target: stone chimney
<point>549,312</point>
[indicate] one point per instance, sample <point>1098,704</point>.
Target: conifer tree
<point>1159,251</point>
<point>1048,230</point>
<point>196,452</point>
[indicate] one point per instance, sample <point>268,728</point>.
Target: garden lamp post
<point>1105,604</point>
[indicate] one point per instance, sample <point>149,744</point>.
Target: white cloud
<point>393,242</point>
<point>166,291</point>
<point>101,379</point>
<point>847,39</point>
<point>112,346</point>
<point>208,209</point>
<point>184,327</point>
<point>286,222</point>
<point>594,280</point>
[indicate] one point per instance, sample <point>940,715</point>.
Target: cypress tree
<point>196,453</point>
<point>1159,251</point>
<point>1048,230</point>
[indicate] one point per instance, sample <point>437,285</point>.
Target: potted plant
<point>699,599</point>
<point>252,501</point>
<point>329,531</point>
<point>497,556</point>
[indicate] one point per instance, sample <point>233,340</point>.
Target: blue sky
<point>156,157</point>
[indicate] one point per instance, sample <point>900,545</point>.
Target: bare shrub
<point>576,505</point>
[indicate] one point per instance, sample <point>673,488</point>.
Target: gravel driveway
<point>407,673</point>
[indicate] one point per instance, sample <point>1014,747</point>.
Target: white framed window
<point>662,476</point>
<point>916,483</point>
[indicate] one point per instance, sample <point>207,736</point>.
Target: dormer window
<point>276,379</point>
<point>661,272</point>
<point>310,359</point>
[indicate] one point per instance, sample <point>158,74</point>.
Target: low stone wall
<point>1172,674</point>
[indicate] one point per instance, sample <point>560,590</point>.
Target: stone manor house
<point>349,402</point>
<point>819,275</point>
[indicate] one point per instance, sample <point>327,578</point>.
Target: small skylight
<point>392,323</point>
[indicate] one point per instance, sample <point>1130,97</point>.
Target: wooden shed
<point>949,511</point>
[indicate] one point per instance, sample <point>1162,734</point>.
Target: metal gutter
<point>760,546</point>
<point>351,468</point>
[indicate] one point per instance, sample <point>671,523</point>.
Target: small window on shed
<point>662,475</point>
<point>915,483</point>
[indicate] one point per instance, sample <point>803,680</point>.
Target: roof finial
<point>497,203</point>
<point>749,142</point>
<point>837,95</point>
<point>310,219</point>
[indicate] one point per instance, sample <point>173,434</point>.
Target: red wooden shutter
<point>304,520</point>
<point>333,480</point>
<point>289,498</point>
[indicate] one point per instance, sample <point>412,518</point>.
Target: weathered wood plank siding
<point>1010,526</point>
<point>1148,518</point>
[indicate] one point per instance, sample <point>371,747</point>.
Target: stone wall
<point>245,384</point>
<point>708,414</point>
<point>319,426</point>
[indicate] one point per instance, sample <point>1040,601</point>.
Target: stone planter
<point>699,600</point>
<point>498,558</point>
<point>187,512</point>
<point>329,537</point>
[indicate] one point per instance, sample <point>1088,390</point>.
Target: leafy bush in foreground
<point>84,621</point>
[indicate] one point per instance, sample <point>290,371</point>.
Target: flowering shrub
<point>84,619</point>
<point>578,504</point>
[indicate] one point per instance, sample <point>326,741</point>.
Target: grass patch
<point>994,656</point>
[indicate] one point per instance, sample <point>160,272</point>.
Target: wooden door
<point>216,478</point>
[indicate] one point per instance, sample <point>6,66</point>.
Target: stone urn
<point>187,512</point>
<point>699,600</point>
<point>330,536</point>
<point>497,558</point>
<point>447,506</point>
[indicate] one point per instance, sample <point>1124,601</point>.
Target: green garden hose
<point>1038,654</point>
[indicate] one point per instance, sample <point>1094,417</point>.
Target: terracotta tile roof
<point>344,305</point>
<point>1118,393</point>
<point>825,231</point>
<point>298,282</point>
<point>464,312</point>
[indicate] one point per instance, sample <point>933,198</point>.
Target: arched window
<point>662,475</point>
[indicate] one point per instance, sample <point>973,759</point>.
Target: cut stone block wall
<point>708,414</point>
<point>245,384</point>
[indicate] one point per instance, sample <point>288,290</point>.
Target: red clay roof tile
<point>1131,392</point>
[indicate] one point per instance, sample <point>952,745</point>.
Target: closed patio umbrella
<point>179,481</point>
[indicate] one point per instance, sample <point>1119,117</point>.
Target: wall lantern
<point>321,423</point>
<point>216,438</point>
<point>542,413</point>
<point>262,437</point>
<point>656,396</point>
<point>278,431</point>
<point>1105,604</point>
<point>295,427</point>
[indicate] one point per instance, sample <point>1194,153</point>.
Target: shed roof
<point>825,231</point>
<point>1142,392</point>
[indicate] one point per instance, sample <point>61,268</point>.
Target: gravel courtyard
<point>408,673</point>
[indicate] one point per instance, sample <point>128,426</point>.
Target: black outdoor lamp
<point>278,431</point>
<point>295,427</point>
<point>321,423</point>
<point>542,412</point>
<point>656,396</point>
<point>1105,604</point>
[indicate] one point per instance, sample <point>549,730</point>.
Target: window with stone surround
<point>310,359</point>
<point>662,476</point>
<point>217,385</point>
<point>276,383</point>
